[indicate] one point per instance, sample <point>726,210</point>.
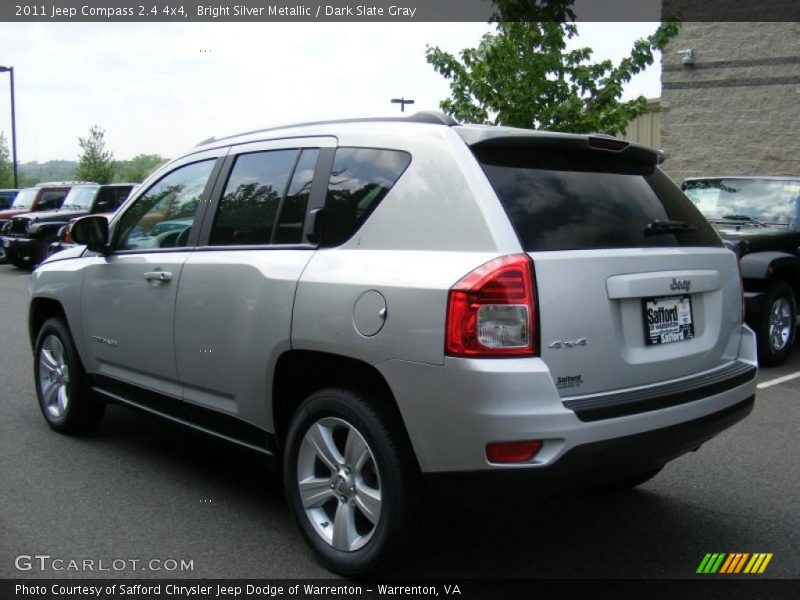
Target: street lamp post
<point>10,71</point>
<point>402,102</point>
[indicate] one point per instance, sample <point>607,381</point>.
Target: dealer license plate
<point>667,319</point>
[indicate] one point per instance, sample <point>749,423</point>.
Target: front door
<point>129,296</point>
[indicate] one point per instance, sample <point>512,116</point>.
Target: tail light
<point>491,311</point>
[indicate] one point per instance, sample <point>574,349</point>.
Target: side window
<point>163,216</point>
<point>5,201</point>
<point>51,200</point>
<point>360,179</point>
<point>292,216</point>
<point>249,207</point>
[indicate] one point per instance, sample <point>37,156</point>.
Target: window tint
<point>293,209</point>
<point>5,200</point>
<point>584,200</point>
<point>360,179</point>
<point>249,206</point>
<point>163,216</point>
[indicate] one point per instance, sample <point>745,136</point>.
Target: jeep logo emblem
<point>680,284</point>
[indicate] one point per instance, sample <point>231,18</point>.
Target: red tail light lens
<point>512,452</point>
<point>490,312</point>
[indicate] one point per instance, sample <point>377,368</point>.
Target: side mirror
<point>92,232</point>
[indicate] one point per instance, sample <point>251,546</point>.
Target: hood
<point>8,214</point>
<point>67,254</point>
<point>54,216</point>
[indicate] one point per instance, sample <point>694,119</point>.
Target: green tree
<point>6,164</point>
<point>523,75</point>
<point>138,168</point>
<point>95,163</point>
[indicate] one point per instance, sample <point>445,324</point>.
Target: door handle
<point>158,276</point>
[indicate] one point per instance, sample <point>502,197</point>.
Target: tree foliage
<point>6,164</point>
<point>95,162</point>
<point>523,75</point>
<point>138,168</point>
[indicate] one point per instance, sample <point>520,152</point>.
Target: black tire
<point>19,262</point>
<point>779,298</point>
<point>81,412</point>
<point>392,537</point>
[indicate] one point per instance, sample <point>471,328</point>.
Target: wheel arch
<point>41,309</point>
<point>300,373</point>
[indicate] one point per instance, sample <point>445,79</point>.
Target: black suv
<point>28,236</point>
<point>759,219</point>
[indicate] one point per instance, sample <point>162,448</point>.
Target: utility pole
<point>10,71</point>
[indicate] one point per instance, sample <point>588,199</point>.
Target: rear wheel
<point>351,481</point>
<point>61,387</point>
<point>776,325</point>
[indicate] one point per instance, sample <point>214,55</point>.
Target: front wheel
<point>776,325</point>
<point>351,481</point>
<point>61,387</point>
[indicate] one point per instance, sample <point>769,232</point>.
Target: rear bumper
<point>596,463</point>
<point>452,411</point>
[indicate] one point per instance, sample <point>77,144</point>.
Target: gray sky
<point>153,90</point>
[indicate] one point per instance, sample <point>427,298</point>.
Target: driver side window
<point>163,216</point>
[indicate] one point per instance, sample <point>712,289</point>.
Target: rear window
<point>583,200</point>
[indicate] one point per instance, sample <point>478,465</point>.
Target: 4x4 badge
<point>558,344</point>
<point>680,284</point>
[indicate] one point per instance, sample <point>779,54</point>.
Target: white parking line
<point>777,380</point>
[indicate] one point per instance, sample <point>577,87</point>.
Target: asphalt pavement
<point>142,490</point>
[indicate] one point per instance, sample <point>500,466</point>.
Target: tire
<point>19,262</point>
<point>776,325</point>
<point>3,256</point>
<point>64,396</point>
<point>347,425</point>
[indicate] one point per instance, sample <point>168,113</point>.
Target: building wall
<point>646,129</point>
<point>736,111</point>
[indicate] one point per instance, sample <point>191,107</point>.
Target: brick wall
<point>736,111</point>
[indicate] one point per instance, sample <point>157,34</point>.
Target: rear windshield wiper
<point>659,227</point>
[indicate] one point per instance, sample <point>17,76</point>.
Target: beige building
<point>731,106</point>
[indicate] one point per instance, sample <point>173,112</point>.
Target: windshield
<point>766,200</point>
<point>80,198</point>
<point>24,199</point>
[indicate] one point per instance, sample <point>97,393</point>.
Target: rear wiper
<point>746,219</point>
<point>659,227</point>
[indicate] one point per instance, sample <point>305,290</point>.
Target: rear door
<point>234,306</point>
<point>634,287</point>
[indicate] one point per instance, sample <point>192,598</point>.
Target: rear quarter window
<point>584,200</point>
<point>360,179</point>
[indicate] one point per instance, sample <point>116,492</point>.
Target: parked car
<point>29,235</point>
<point>759,219</point>
<point>43,196</point>
<point>7,198</point>
<point>393,306</point>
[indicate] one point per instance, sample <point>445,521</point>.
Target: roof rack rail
<point>432,117</point>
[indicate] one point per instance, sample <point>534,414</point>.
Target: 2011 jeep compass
<point>396,303</point>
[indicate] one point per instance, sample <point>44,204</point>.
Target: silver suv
<point>394,305</point>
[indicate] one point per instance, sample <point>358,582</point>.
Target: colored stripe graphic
<point>733,563</point>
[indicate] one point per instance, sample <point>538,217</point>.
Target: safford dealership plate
<point>667,319</point>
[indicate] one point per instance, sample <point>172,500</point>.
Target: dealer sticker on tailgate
<point>667,319</point>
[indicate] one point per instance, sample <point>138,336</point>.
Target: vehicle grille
<point>18,227</point>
